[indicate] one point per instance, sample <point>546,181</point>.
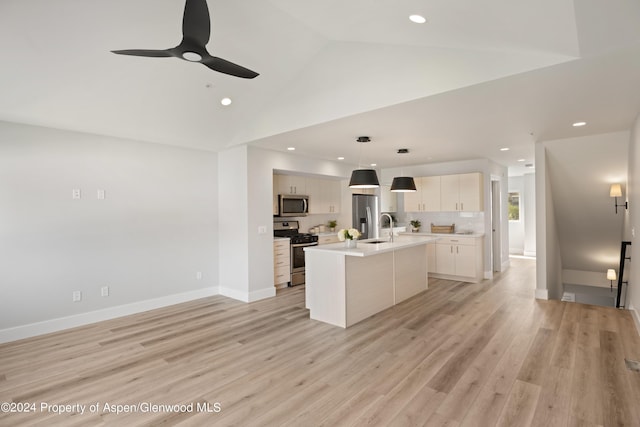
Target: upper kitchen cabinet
<point>324,195</point>
<point>427,196</point>
<point>388,200</point>
<point>290,184</point>
<point>462,192</point>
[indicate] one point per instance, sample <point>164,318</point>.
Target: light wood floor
<point>459,355</point>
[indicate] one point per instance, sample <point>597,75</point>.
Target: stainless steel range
<point>299,241</point>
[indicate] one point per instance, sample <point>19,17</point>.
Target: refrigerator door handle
<point>369,222</point>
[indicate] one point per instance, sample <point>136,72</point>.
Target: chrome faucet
<point>390,225</point>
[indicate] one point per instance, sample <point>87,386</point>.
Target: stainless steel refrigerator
<point>366,215</point>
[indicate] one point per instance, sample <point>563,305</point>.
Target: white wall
<point>146,240</point>
<point>548,257</point>
<point>246,205</point>
<point>632,225</point>
<point>529,203</point>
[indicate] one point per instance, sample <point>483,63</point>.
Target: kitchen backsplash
<point>464,221</point>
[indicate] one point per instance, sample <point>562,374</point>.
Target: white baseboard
<point>530,253</point>
<point>61,323</point>
<point>542,294</point>
<point>248,296</point>
<point>636,317</point>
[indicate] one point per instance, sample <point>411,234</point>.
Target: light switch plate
<point>76,194</point>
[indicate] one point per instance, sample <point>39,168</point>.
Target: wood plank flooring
<point>458,354</point>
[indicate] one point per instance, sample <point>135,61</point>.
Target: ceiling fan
<point>196,29</point>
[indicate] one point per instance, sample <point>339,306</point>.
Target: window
<point>514,206</point>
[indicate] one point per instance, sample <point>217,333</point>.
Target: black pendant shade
<point>403,184</point>
<point>364,178</point>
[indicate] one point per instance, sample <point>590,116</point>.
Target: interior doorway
<point>496,226</point>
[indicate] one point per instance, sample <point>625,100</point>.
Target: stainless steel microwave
<point>293,205</point>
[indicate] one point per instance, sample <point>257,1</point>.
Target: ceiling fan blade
<point>224,66</point>
<point>144,52</point>
<point>196,25</point>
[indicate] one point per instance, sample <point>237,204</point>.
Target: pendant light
<point>403,184</point>
<point>364,178</point>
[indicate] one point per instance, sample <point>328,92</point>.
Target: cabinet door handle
<point>451,249</point>
<point>457,251</point>
<point>461,206</point>
<point>456,206</point>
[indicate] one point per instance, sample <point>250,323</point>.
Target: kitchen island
<point>345,286</point>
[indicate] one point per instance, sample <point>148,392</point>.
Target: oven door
<point>297,262</point>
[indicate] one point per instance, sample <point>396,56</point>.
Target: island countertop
<point>366,248</point>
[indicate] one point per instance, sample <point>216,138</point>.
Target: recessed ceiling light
<point>521,160</point>
<point>340,158</point>
<point>504,149</point>
<point>578,124</point>
<point>374,164</point>
<point>225,101</point>
<point>418,19</point>
<point>291,148</point>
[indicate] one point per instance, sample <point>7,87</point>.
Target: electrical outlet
<point>101,194</point>
<point>262,229</point>
<point>104,291</point>
<point>77,296</point>
<point>76,194</point>
<point>199,275</point>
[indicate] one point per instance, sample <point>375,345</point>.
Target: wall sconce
<point>611,276</point>
<point>616,191</point>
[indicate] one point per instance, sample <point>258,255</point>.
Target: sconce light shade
<point>364,178</point>
<point>403,184</point>
<point>611,274</point>
<point>615,190</point>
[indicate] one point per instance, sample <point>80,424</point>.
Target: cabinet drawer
<point>281,262</point>
<point>466,241</point>
<point>323,240</point>
<point>281,275</point>
<point>281,245</point>
<point>281,253</point>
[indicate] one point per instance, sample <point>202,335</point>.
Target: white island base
<point>345,286</point>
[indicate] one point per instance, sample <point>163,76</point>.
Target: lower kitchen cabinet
<point>281,263</point>
<point>458,258</point>
<point>328,238</point>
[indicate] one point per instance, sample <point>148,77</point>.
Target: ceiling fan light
<point>403,184</point>
<point>364,178</point>
<point>192,56</point>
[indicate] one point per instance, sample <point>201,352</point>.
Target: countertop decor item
<point>443,229</point>
<point>349,236</point>
<point>332,225</point>
<point>415,225</point>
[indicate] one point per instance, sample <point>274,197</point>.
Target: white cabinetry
<point>291,184</point>
<point>459,258</point>
<point>328,238</point>
<point>281,263</point>
<point>462,192</point>
<point>324,195</point>
<point>388,200</point>
<point>427,196</point>
<point>431,257</point>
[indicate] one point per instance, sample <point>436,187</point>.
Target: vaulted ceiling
<point>475,77</point>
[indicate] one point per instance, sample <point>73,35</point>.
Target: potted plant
<point>415,225</point>
<point>332,225</point>
<point>349,237</point>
